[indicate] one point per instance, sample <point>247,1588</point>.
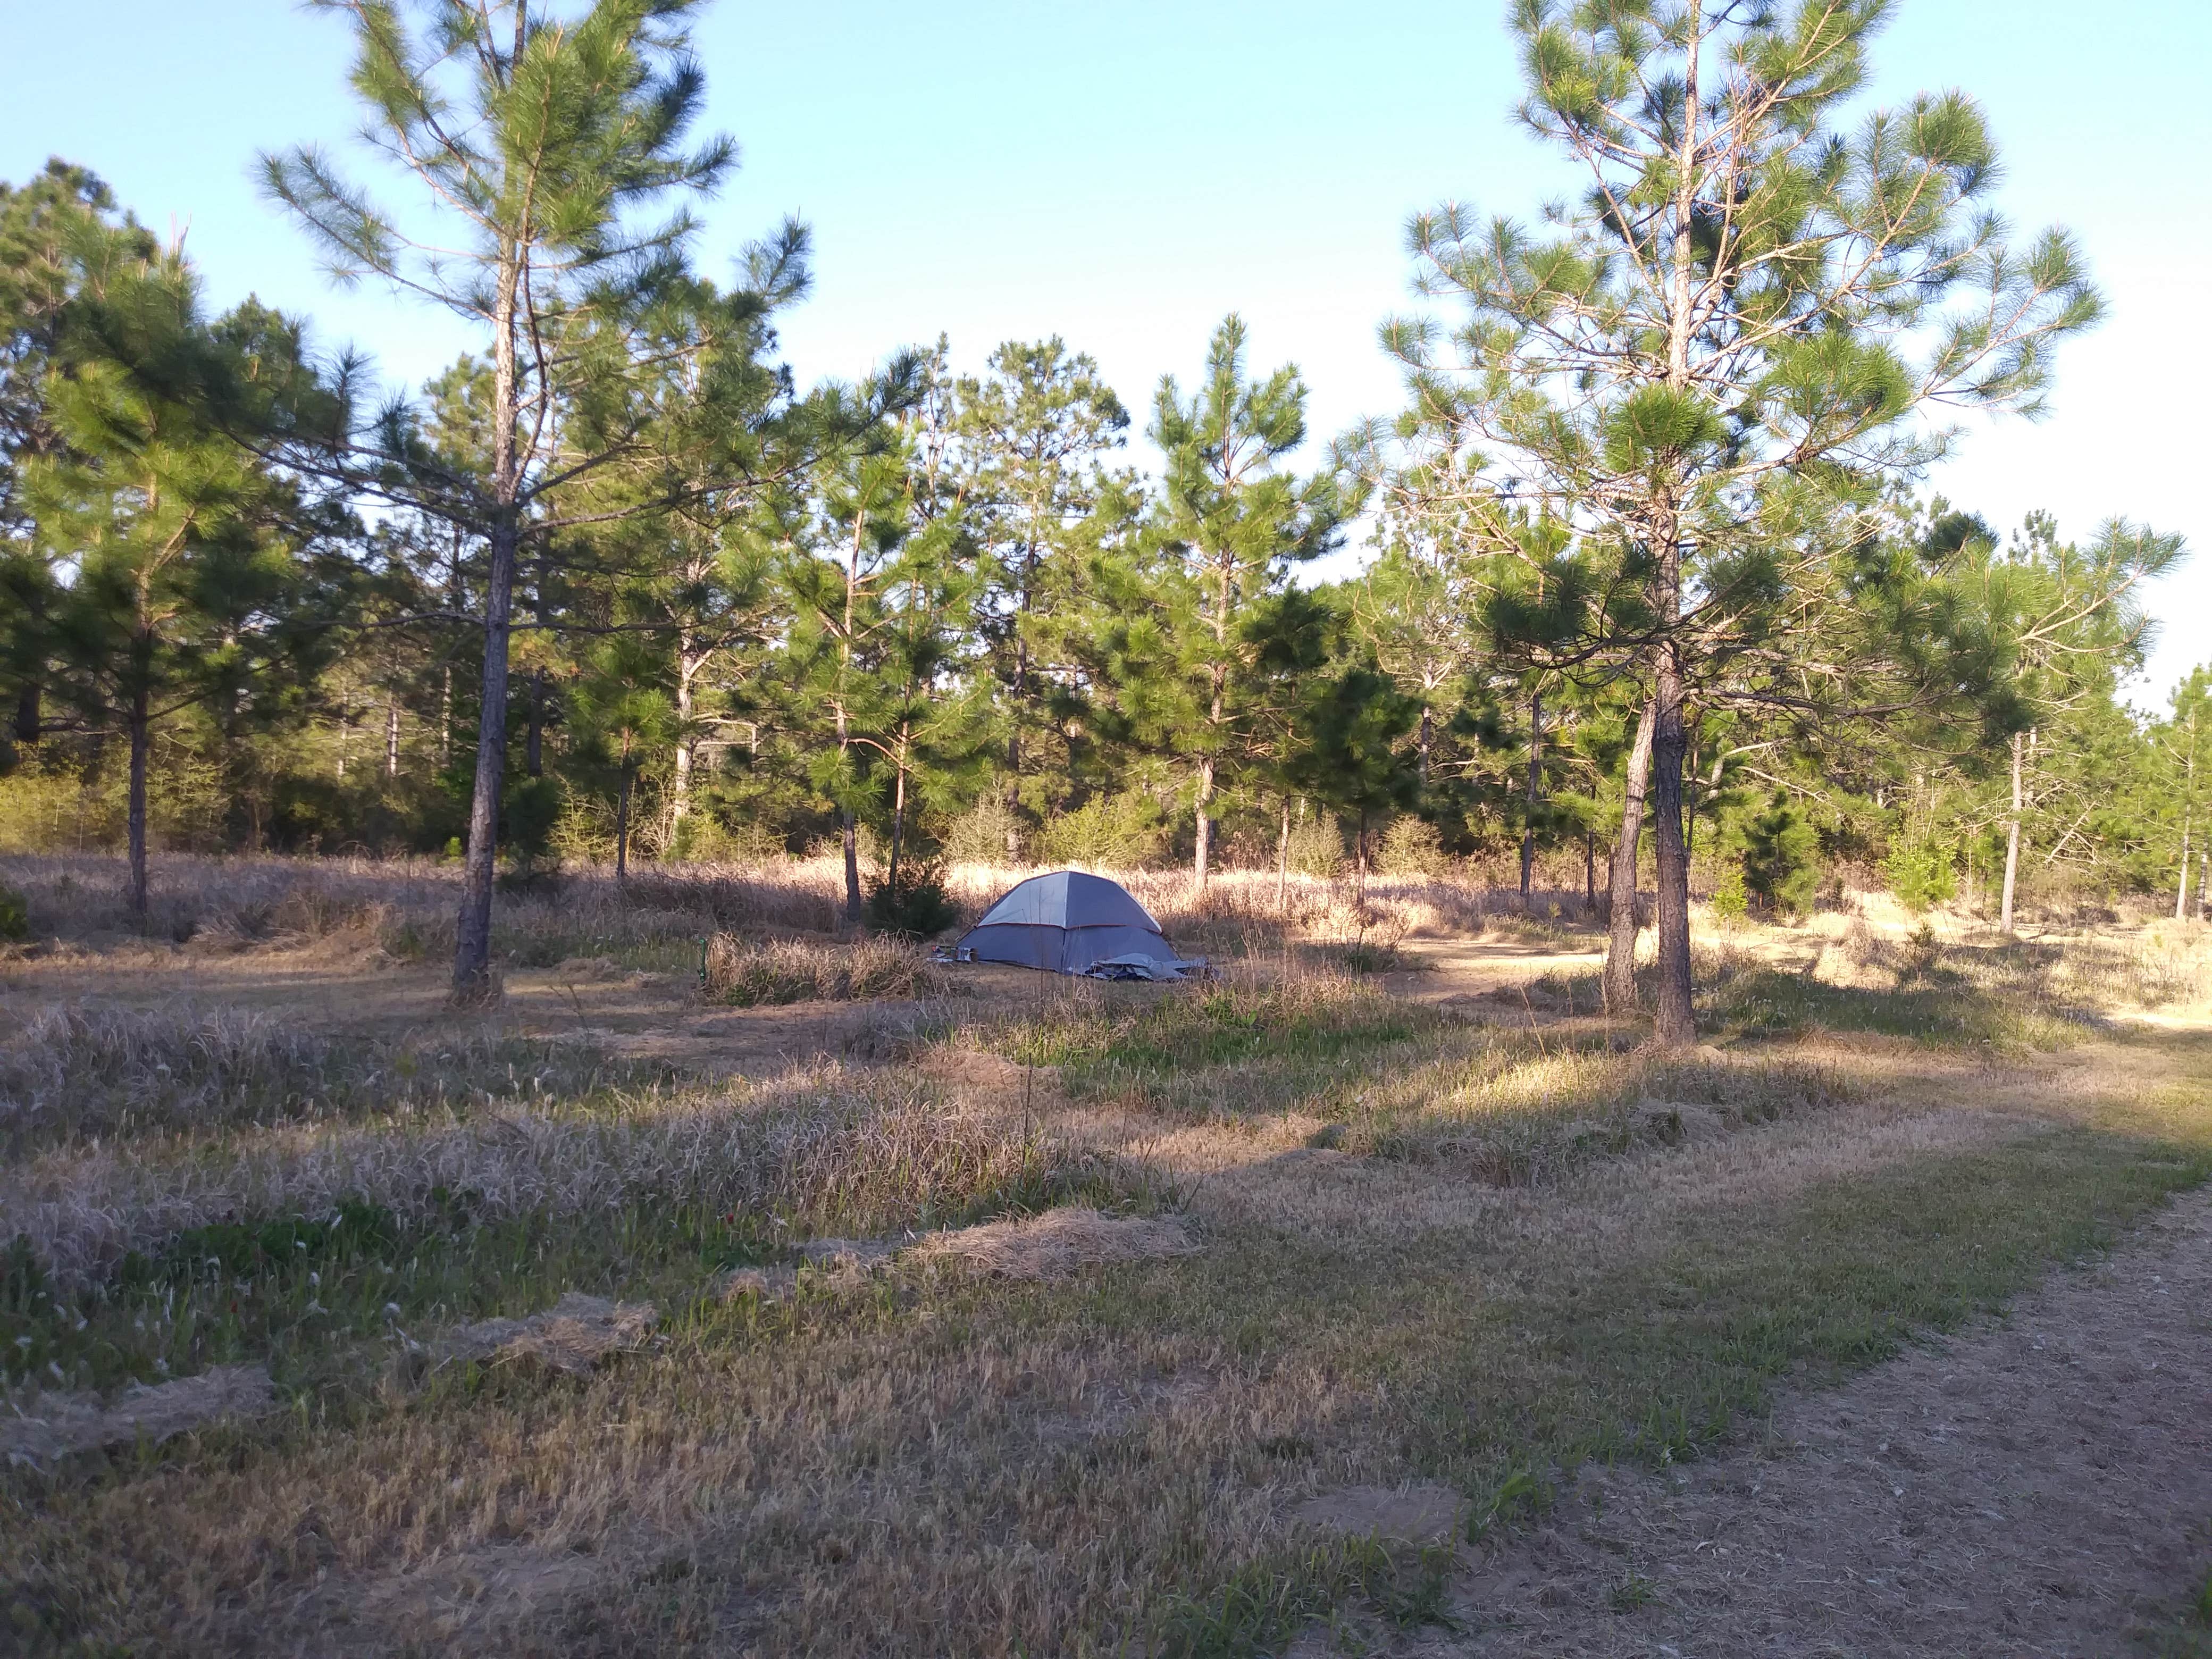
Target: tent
<point>1069,922</point>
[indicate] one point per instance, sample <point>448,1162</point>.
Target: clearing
<point>1380,1295</point>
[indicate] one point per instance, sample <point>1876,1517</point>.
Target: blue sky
<point>1122,175</point>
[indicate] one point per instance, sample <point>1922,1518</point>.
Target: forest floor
<point>1382,1295</point>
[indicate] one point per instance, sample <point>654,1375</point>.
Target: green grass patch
<point>1767,1002</point>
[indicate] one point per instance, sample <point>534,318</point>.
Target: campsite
<point>852,1299</point>
<point>992,832</point>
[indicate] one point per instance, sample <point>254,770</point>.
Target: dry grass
<point>78,1072</point>
<point>58,1424</point>
<point>1058,1243</point>
<point>821,1149</point>
<point>749,973</point>
<point>1439,1255</point>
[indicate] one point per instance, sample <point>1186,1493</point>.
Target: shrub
<point>15,914</point>
<point>1729,902</point>
<point>749,974</point>
<point>1412,846</point>
<point>915,906</point>
<point>1124,831</point>
<point>1316,846</point>
<point>990,832</point>
<point>1920,873</point>
<point>1781,857</point>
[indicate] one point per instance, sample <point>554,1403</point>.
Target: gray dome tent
<point>1069,922</point>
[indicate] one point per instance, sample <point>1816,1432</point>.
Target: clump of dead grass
<point>55,1424</point>
<point>571,1337</point>
<point>749,973</point>
<point>1058,1243</point>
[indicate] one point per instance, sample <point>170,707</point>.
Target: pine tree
<point>182,564</point>
<point>1709,363</point>
<point>2068,620</point>
<point>1237,523</point>
<point>59,233</point>
<point>2185,748</point>
<point>550,146</point>
<point>1036,430</point>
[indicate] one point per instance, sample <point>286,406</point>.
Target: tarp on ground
<point>1068,922</point>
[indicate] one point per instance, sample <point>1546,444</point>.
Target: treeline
<point>1643,545</point>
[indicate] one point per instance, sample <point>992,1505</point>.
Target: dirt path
<point>2042,1487</point>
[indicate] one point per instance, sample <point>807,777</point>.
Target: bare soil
<point>2042,1487</point>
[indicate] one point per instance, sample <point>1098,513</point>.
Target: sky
<point>1123,175</point>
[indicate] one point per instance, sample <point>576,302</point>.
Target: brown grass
<point>748,973</point>
<point>1436,1253</point>
<point>1058,1243</point>
<point>859,1149</point>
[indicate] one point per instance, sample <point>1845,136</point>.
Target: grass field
<point>1439,1225</point>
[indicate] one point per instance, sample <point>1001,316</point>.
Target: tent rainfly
<point>1069,922</point>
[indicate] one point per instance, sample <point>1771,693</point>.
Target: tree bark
<point>621,826</point>
<point>2188,823</point>
<point>1621,942</point>
<point>1283,861</point>
<point>1205,835</point>
<point>472,980</point>
<point>1676,1025</point>
<point>688,665</point>
<point>899,826</point>
<point>852,866</point>
<point>391,737</point>
<point>2012,828</point>
<point>140,722</point>
<point>30,719</point>
<point>472,947</point>
<point>1528,805</point>
<point>533,750</point>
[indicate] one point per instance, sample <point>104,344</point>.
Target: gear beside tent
<point>1068,922</point>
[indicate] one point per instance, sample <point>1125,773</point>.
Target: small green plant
<point>915,906</point>
<point>1412,846</point>
<point>1920,873</point>
<point>15,914</point>
<point>1729,901</point>
<point>1124,831</point>
<point>1630,1593</point>
<point>1520,1494</point>
<point>1781,857</point>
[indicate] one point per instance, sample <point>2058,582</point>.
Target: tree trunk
<point>30,719</point>
<point>472,980</point>
<point>851,837</point>
<point>1283,862</point>
<point>899,826</point>
<point>140,720</point>
<point>2188,823</point>
<point>621,826</point>
<point>345,740</point>
<point>1590,871</point>
<point>1621,942</point>
<point>533,748</point>
<point>2012,828</point>
<point>1528,805</point>
<point>688,664</point>
<point>472,947</point>
<point>1676,1025</point>
<point>446,721</point>
<point>391,737</point>
<point>1205,826</point>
